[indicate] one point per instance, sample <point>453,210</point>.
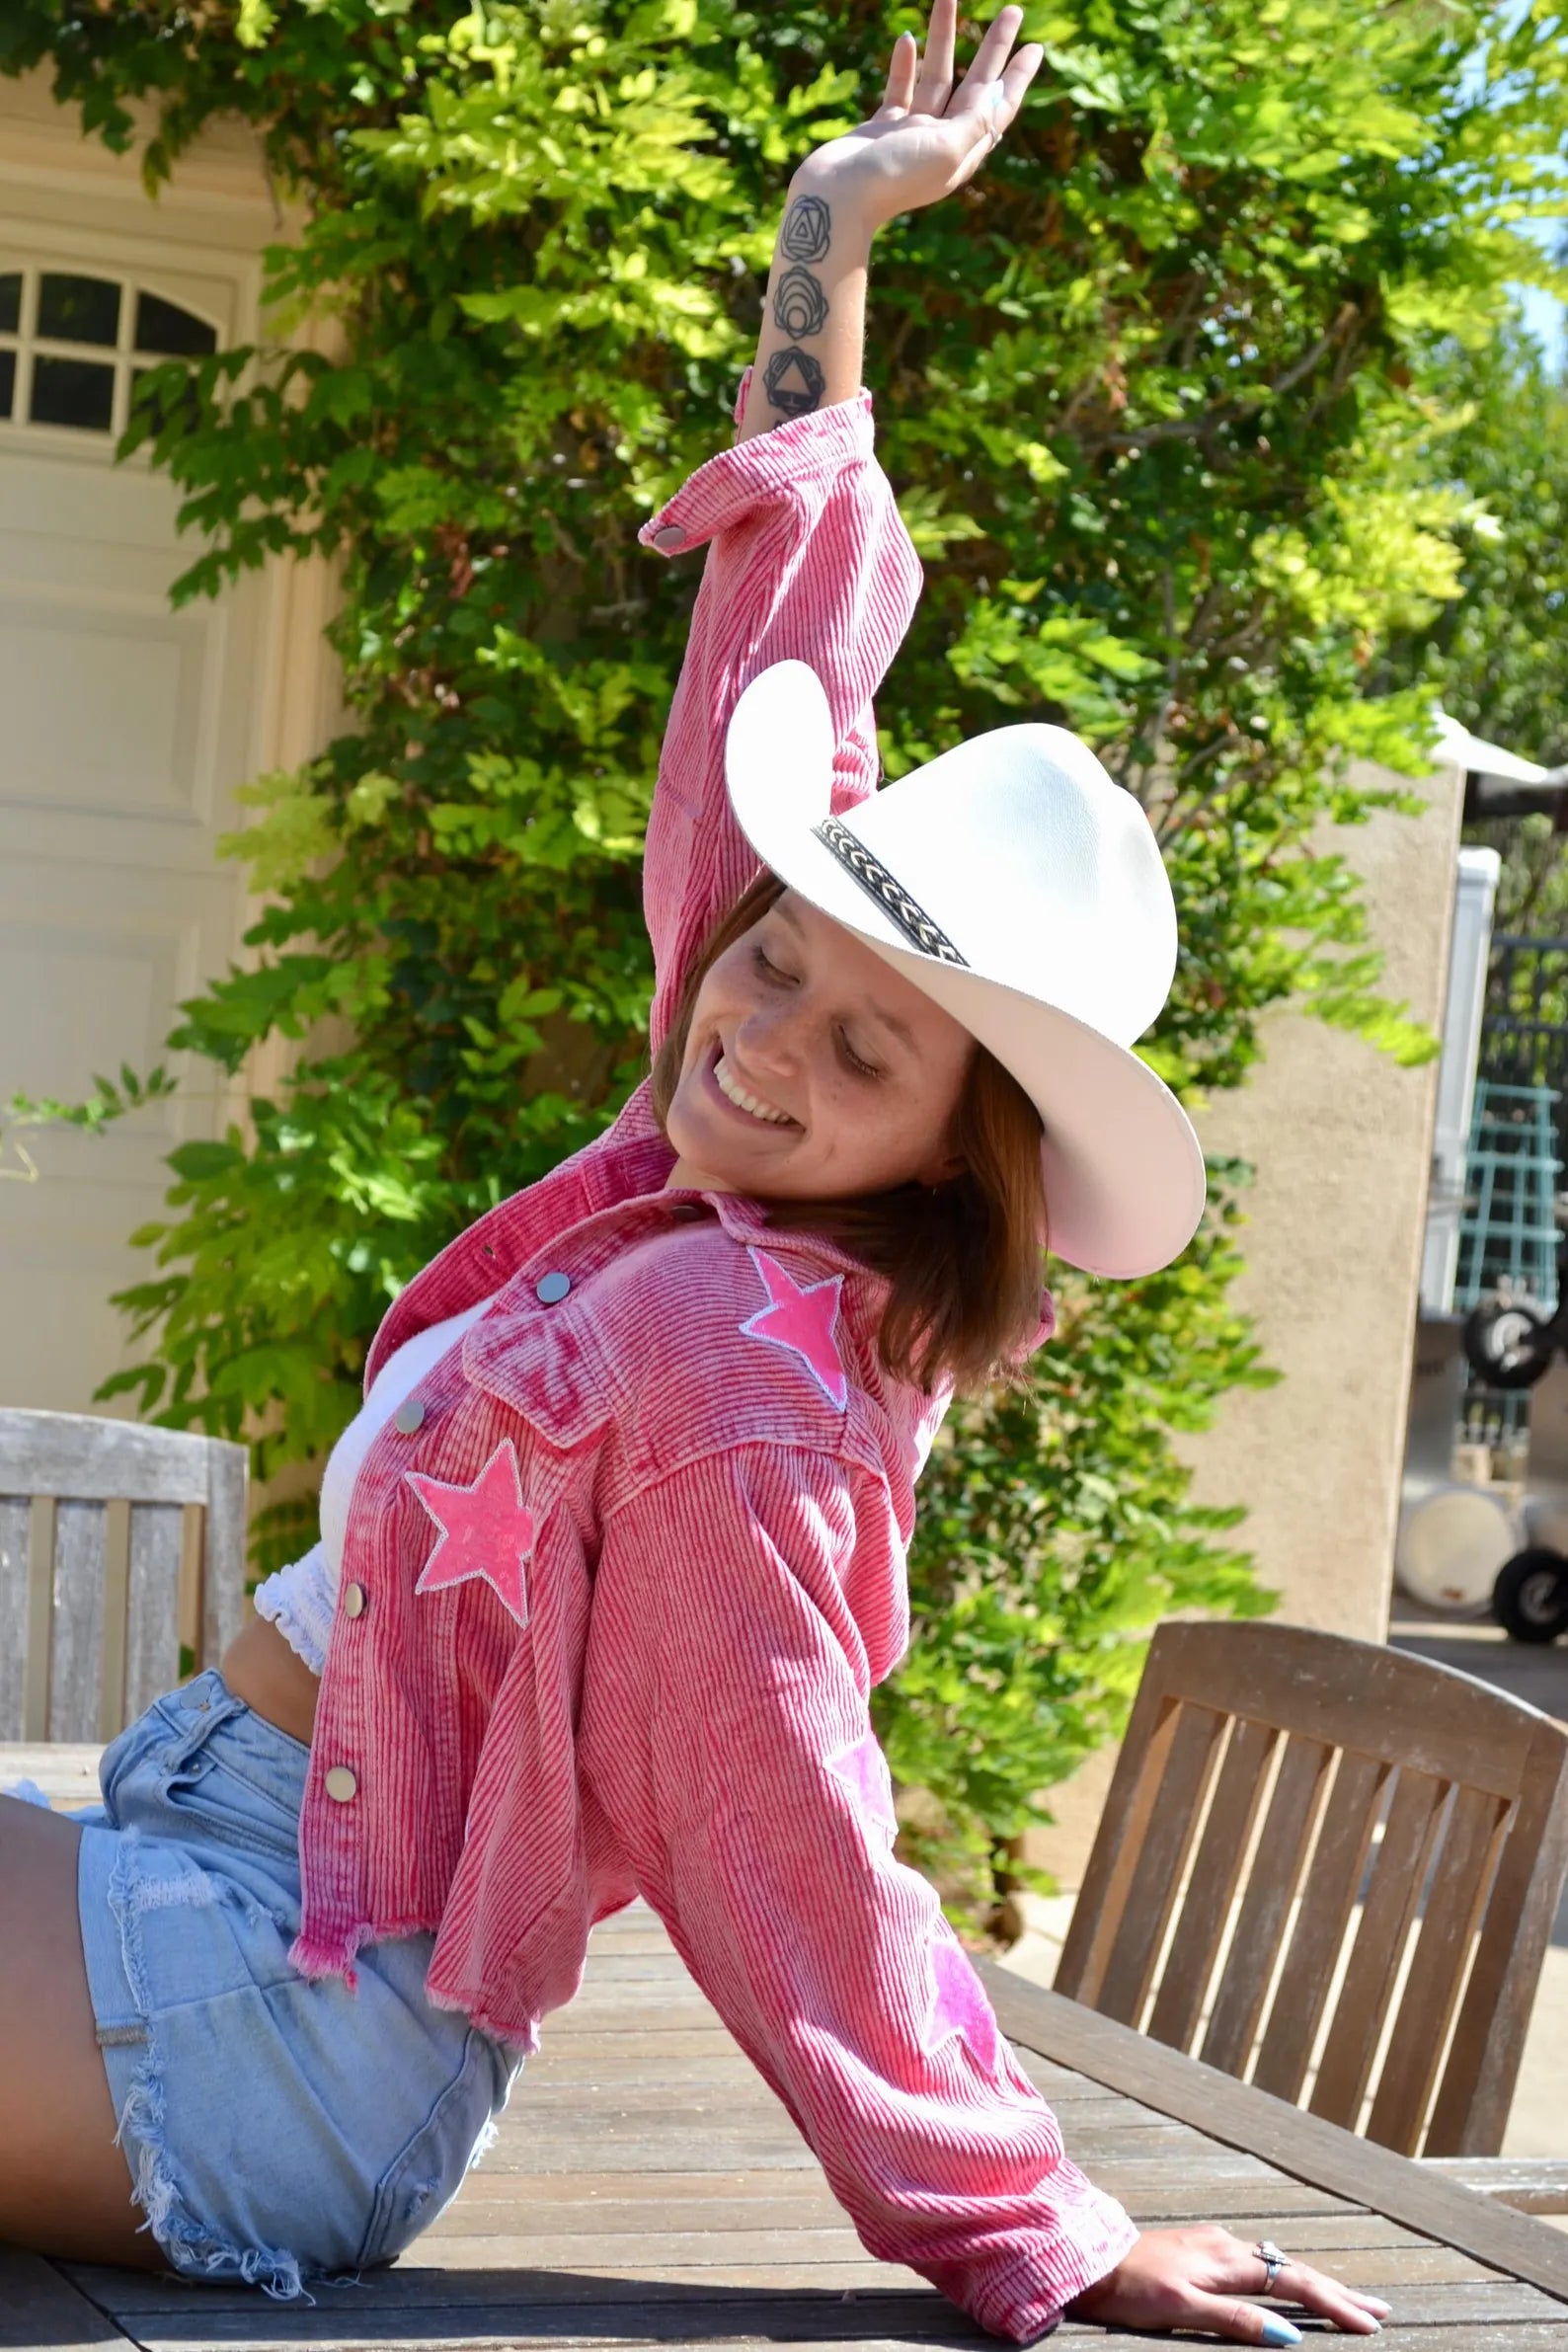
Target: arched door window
<point>72,347</point>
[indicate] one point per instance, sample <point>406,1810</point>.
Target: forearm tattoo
<point>808,230</point>
<point>793,379</point>
<point>800,307</point>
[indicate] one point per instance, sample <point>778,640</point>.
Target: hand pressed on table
<point>1207,2278</point>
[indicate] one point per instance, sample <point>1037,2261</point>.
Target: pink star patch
<point>863,1769</point>
<point>959,2003</point>
<point>487,1531</point>
<point>801,1319</point>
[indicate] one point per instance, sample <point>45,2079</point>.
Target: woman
<point>614,1552</point>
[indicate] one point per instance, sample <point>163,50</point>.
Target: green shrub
<point>1145,393</point>
<point>1498,655</point>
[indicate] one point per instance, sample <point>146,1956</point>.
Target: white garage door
<point>123,729</point>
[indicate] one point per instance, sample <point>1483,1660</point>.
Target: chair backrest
<point>1331,1869</point>
<point>122,1568</point>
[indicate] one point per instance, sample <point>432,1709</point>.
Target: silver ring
<point>1272,2261</point>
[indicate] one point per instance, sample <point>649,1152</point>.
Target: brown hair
<point>964,1259</point>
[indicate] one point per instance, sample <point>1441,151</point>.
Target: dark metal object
<point>1531,1597</point>
<point>1489,797</point>
<point>1509,1345</point>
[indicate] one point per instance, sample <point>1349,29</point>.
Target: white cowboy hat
<point>1023,891</point>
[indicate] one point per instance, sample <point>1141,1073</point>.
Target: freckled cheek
<point>833,1099</point>
<point>722,1002</point>
<point>897,1142</point>
<point>858,1130</point>
<point>708,1014</point>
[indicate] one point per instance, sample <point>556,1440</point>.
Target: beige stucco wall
<point>1340,1137</point>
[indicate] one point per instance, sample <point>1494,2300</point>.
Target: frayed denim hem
<point>28,1792</point>
<point>193,2251</point>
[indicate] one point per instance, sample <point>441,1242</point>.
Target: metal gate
<point>1510,1232</point>
<point>1525,1027</point>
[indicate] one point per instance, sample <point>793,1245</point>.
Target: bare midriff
<point>259,1668</point>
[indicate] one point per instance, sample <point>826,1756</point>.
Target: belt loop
<point>204,1702</point>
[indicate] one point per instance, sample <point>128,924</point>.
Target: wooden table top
<point>647,2188</point>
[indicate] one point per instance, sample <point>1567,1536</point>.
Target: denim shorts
<point>277,2130</point>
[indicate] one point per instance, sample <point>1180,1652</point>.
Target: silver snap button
<point>354,1600</point>
<point>342,1785</point>
<point>551,1288</point>
<point>409,1416</point>
<point>669,537</point>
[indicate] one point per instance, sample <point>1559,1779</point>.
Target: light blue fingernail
<point>1279,2332</point>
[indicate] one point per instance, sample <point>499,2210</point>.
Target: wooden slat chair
<point>1291,1813</point>
<point>122,1568</point>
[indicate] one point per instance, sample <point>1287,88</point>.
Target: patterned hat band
<point>886,892</point>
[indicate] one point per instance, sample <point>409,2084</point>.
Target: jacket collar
<point>750,1221</point>
<point>642,1165</point>
<point>629,1166</point>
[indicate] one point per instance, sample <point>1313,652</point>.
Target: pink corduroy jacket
<point>621,1574</point>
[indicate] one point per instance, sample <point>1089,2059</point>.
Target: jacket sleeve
<point>726,1735</point>
<point>808,560</point>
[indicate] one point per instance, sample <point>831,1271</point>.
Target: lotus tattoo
<point>800,307</point>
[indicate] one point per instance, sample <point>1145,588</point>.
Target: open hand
<point>1206,2278</point>
<point>928,135</point>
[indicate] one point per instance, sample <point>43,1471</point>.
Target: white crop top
<point>301,1599</point>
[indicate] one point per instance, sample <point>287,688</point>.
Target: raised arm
<point>813,339</point>
<point>926,138</point>
<point>808,560</point>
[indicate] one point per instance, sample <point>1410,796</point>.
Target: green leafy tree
<point>1497,657</point>
<point>1148,393</point>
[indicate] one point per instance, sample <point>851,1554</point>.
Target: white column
<point>1475,899</point>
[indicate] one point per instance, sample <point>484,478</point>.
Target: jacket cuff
<point>740,481</point>
<point>1020,2310</point>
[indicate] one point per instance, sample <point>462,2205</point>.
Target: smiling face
<point>813,1071</point>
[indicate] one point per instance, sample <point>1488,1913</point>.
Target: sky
<point>1544,315</point>
<point>1546,319</point>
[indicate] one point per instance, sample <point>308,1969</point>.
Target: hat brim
<point>1124,1169</point>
